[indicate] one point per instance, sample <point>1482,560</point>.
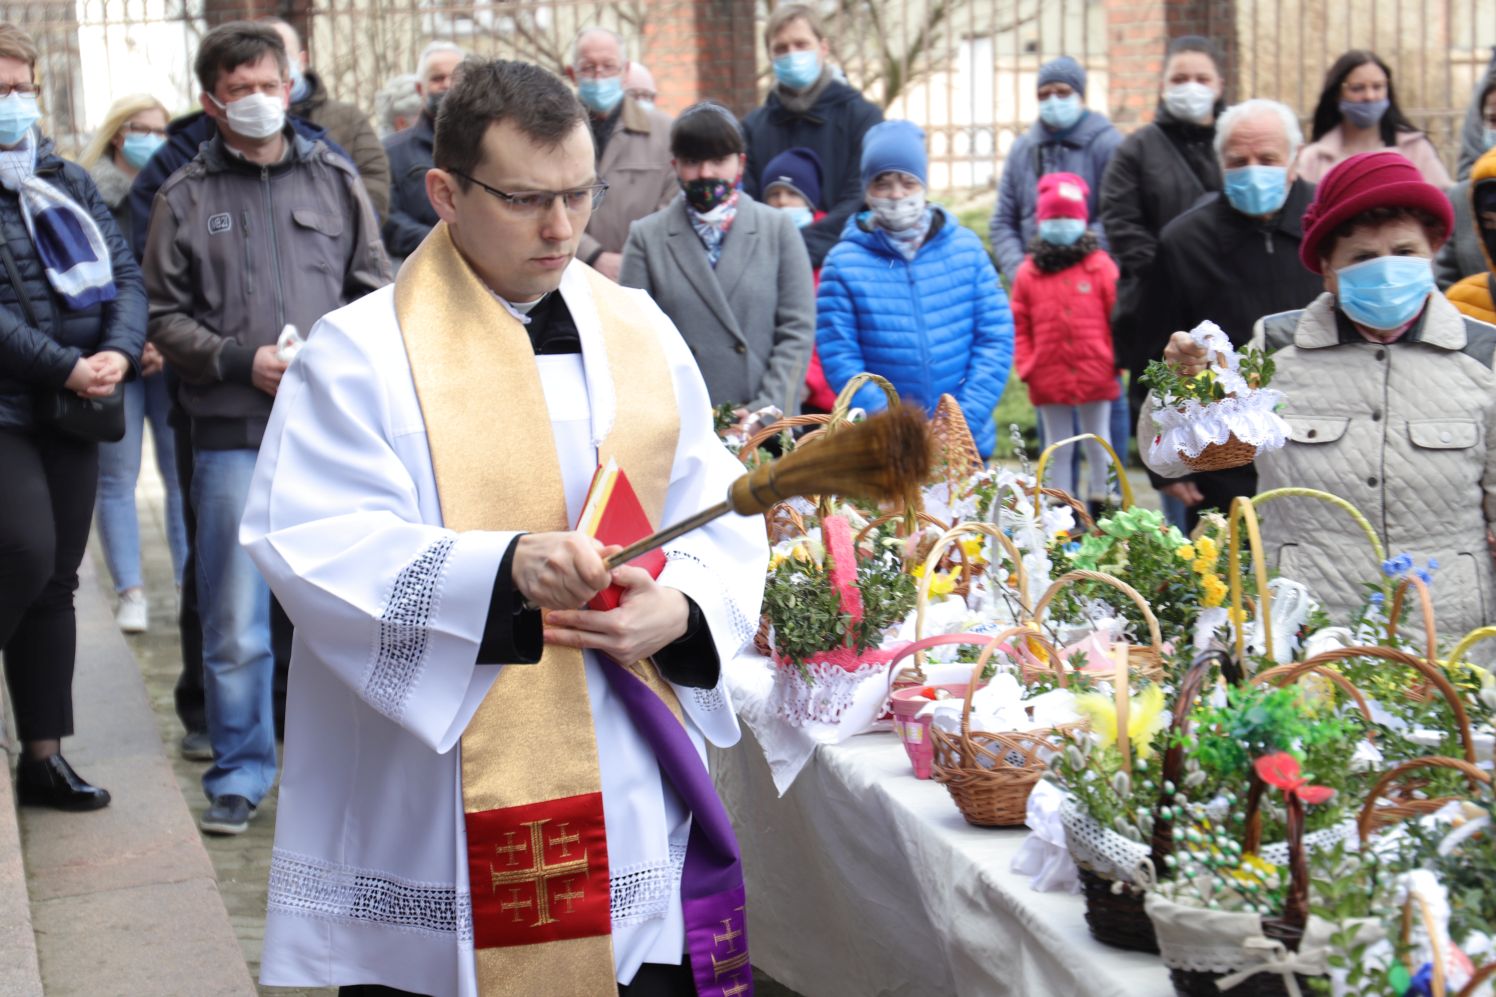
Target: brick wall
<point>703,50</point>
<point>1138,32</point>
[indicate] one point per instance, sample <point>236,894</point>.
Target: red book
<point>613,515</point>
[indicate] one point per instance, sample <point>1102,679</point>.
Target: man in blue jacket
<point>809,108</point>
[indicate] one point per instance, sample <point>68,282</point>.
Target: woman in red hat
<point>1390,399</point>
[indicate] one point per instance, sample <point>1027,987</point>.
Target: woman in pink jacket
<point>1062,306</point>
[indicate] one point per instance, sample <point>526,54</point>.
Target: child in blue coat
<point>910,294</point>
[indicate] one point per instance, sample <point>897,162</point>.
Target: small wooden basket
<point>996,794</point>
<point>1221,456</point>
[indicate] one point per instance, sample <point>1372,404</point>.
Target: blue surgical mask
<point>300,88</point>
<point>1489,137</point>
<point>1385,293</point>
<point>799,214</point>
<point>138,148</point>
<point>1059,113</point>
<point>1364,113</point>
<point>17,114</point>
<point>601,95</point>
<point>1062,231</point>
<point>798,70</point>
<point>1257,190</point>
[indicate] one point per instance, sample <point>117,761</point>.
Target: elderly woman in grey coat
<point>1390,401</point>
<point>731,273</point>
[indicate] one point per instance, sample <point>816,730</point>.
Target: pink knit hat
<point>1062,195</point>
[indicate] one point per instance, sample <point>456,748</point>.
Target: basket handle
<point>1432,672</point>
<point>842,408</point>
<point>1473,774</point>
<point>918,647</point>
<point>924,518</point>
<point>976,672</point>
<point>1122,483</point>
<point>943,542</point>
<point>1481,976</point>
<point>1273,495</point>
<point>1466,643</point>
<point>1162,843</point>
<point>1427,602</point>
<point>1243,512</point>
<point>1155,639</point>
<point>1437,985</point>
<point>773,429</point>
<point>1293,672</point>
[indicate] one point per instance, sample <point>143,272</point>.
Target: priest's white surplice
<point>368,880</point>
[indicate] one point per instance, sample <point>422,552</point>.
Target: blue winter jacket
<point>1084,150</point>
<point>938,324</point>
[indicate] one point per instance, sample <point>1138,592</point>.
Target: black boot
<point>51,782</point>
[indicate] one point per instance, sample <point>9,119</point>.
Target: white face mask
<point>256,116</point>
<point>898,213</point>
<point>1190,102</point>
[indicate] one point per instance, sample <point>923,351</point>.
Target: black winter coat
<point>833,129</point>
<point>1157,174</point>
<point>411,215</point>
<point>1215,263</point>
<point>33,360</point>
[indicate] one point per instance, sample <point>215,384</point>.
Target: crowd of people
<point>170,276</point>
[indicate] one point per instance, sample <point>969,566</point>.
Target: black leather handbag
<point>99,420</point>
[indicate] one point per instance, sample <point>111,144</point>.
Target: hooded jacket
<point>1157,174</point>
<point>1084,149</point>
<point>236,251</point>
<point>38,359</point>
<point>1473,293</point>
<point>349,127</point>
<point>184,140</point>
<point>1406,432</point>
<point>1063,331</point>
<point>937,324</point>
<point>832,128</point>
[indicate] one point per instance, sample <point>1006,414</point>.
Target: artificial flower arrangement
<point>1222,417</point>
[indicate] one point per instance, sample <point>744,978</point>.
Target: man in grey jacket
<point>261,230</point>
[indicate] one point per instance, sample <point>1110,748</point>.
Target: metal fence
<point>964,69</point>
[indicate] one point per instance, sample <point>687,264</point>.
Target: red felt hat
<point>1365,181</point>
<point>1062,195</point>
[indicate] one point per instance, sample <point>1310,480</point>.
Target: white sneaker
<point>133,615</point>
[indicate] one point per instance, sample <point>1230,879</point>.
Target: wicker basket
<point>915,733</point>
<point>959,457</point>
<point>1114,907</point>
<point>995,794</point>
<point>1146,661</point>
<point>1221,456</point>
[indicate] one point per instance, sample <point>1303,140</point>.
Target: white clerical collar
<point>519,309</point>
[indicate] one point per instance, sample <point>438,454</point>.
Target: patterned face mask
<point>706,194</point>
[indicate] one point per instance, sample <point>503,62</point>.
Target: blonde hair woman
<point>133,130</point>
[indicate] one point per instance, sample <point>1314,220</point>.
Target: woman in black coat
<point>70,328</point>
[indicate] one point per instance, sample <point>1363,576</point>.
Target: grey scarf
<point>801,101</point>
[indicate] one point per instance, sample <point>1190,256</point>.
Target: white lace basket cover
<point>826,697</point>
<point>1114,856</point>
<point>1249,415</point>
<point>1200,940</point>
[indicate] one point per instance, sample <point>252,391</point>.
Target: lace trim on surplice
<point>404,626</point>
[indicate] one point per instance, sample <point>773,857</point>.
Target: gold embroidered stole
<point>532,794</point>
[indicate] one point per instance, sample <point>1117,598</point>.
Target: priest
<point>479,796</point>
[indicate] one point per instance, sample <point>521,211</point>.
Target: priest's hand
<point>649,617</point>
<point>559,570</point>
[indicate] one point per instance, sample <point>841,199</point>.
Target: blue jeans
<point>1122,429</point>
<point>234,603</point>
<point>119,468</point>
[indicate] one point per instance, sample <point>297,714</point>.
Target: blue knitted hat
<point>894,146</point>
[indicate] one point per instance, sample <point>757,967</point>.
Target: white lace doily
<point>825,698</point>
<point>1191,426</point>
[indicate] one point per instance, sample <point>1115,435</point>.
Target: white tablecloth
<point>864,881</point>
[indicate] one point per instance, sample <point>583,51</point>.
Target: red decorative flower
<point>1281,771</point>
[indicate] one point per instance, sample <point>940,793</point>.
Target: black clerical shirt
<point>513,633</point>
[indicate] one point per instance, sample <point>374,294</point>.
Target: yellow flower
<point>800,552</point>
<point>1200,566</point>
<point>972,546</point>
<point>775,561</point>
<point>1238,617</point>
<point>1185,553</point>
<point>1215,591</point>
<point>1207,550</point>
<point>1145,717</point>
